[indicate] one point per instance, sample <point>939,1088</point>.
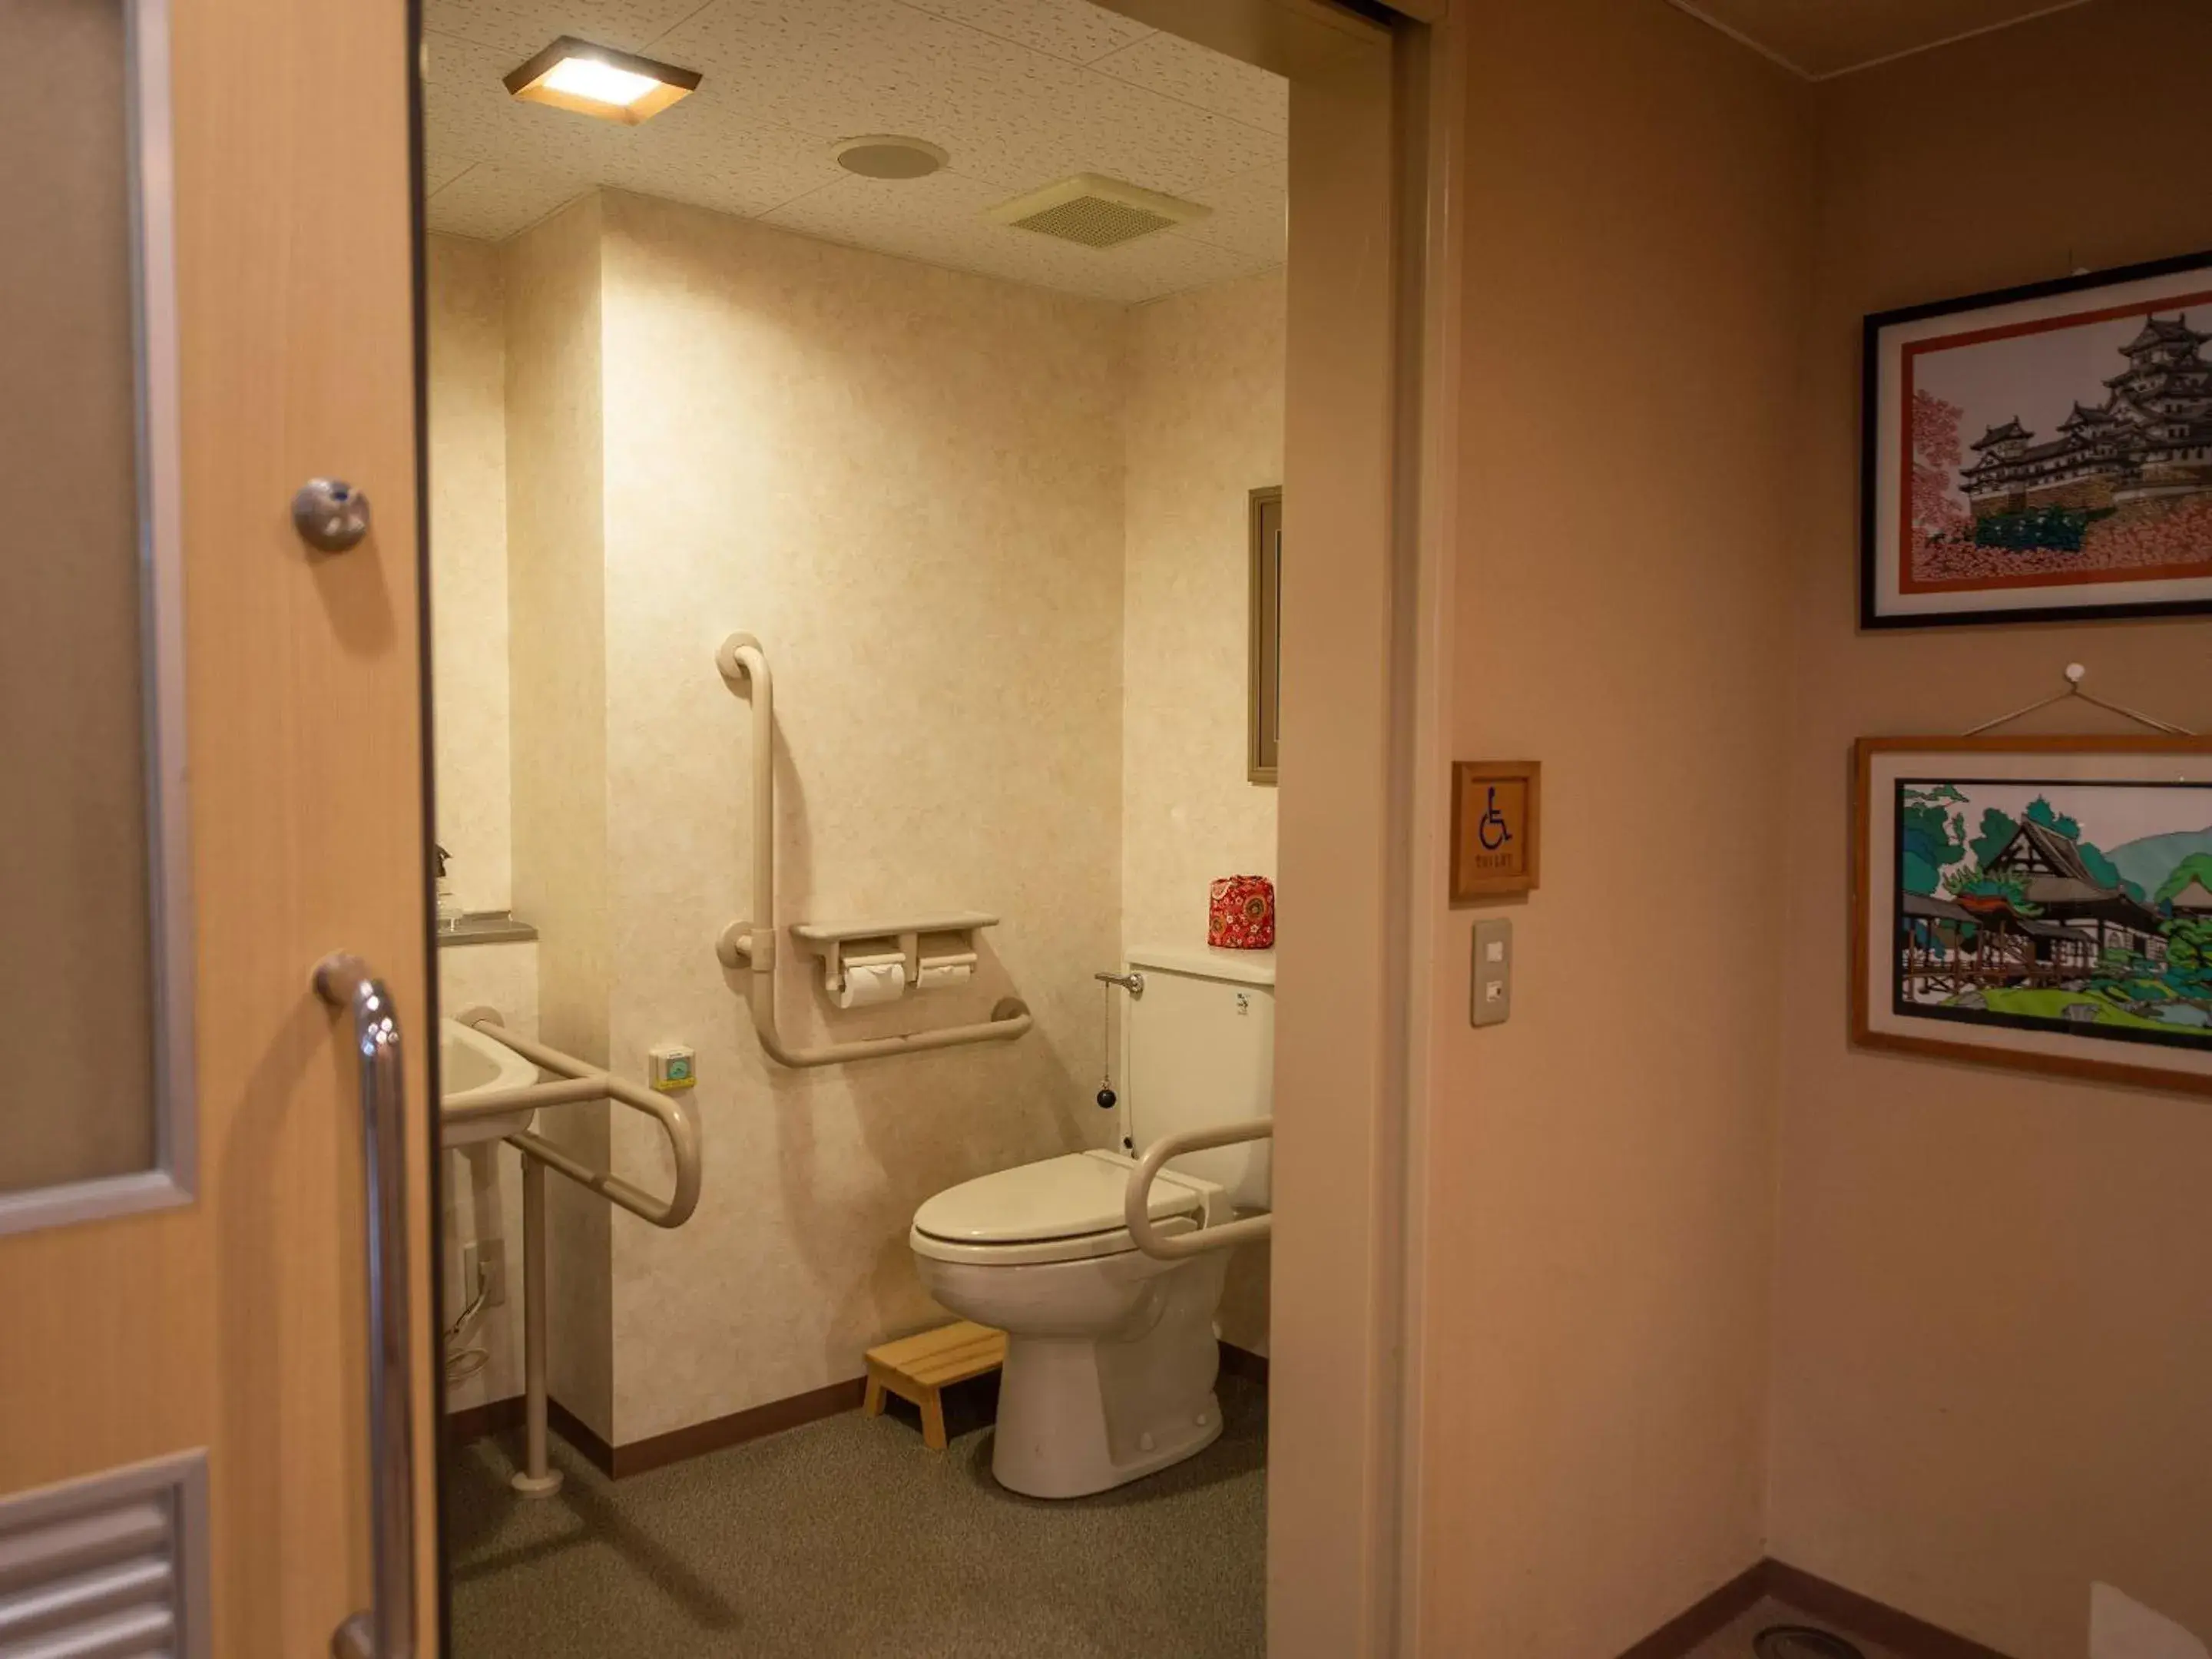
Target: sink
<point>471,1064</point>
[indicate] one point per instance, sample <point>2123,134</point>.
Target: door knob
<point>330,515</point>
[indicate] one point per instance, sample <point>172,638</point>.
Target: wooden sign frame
<point>1471,780</point>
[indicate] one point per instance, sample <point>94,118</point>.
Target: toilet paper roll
<point>945,976</point>
<point>866,987</point>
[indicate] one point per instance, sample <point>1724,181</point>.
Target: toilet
<point>1111,1354</point>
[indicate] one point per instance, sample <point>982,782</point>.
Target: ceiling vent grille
<point>1096,211</point>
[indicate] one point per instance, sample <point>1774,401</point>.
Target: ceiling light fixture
<point>888,156</point>
<point>615,86</point>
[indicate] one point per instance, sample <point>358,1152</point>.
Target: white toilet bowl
<point>1110,1353</point>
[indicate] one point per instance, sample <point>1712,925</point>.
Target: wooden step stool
<point>917,1368</point>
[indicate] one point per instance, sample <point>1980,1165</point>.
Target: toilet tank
<point>1199,1050</point>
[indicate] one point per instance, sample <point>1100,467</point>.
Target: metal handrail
<point>584,1082</point>
<point>1136,1204</point>
<point>752,944</point>
<point>386,1630</point>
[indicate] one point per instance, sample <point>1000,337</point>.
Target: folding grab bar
<point>752,944</point>
<point>580,1082</point>
<point>1136,1204</point>
<point>584,1082</point>
<point>386,1629</point>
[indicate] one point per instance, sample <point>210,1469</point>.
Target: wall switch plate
<point>1491,995</point>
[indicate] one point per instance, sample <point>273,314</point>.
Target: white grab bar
<point>579,1082</point>
<point>752,944</point>
<point>1136,1203</point>
<point>582,1082</point>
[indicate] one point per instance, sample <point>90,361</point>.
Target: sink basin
<point>471,1064</point>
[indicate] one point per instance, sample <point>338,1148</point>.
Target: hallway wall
<point>1993,1301</point>
<point>1601,1175</point>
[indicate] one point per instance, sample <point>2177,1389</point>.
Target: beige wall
<point>463,290</point>
<point>556,614</point>
<point>1601,1168</point>
<point>1993,1351</point>
<point>1204,427</point>
<point>907,481</point>
<point>920,501</point>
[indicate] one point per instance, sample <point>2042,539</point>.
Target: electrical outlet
<point>489,1255</point>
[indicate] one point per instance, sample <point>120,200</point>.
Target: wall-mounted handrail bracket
<point>1136,1207</point>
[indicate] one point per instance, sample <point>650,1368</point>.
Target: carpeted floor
<point>848,1539</point>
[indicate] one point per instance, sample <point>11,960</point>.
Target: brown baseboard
<point>1243,1362</point>
<point>1706,1619</point>
<point>699,1438</point>
<point>660,1449</point>
<point>1863,1616</point>
<point>606,1459</point>
<point>1850,1612</point>
<point>737,1428</point>
<point>475,1422</point>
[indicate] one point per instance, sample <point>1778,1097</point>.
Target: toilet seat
<point>1060,1209</point>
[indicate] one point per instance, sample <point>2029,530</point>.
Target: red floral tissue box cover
<point>1241,914</point>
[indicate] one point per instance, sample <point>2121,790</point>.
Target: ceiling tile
<point>1189,74</point>
<point>995,82</point>
<point>441,170</point>
<point>1074,30</point>
<point>1138,135</point>
<point>1251,213</point>
<point>855,66</point>
<point>705,151</point>
<point>492,203</point>
<point>520,28</point>
<point>938,220</point>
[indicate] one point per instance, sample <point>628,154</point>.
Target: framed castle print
<point>2041,454</point>
<point>2038,903</point>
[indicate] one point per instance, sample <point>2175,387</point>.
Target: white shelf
<point>829,933</point>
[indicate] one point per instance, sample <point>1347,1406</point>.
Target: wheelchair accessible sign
<point>1494,828</point>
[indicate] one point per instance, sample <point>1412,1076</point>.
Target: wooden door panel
<point>236,1323</point>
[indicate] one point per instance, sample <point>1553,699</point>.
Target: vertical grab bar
<point>386,1629</point>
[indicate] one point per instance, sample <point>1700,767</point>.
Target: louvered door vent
<point>106,1568</point>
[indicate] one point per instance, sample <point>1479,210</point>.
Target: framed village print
<point>2041,454</point>
<point>2039,903</point>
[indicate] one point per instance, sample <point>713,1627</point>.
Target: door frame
<point>1374,385</point>
<point>1376,255</point>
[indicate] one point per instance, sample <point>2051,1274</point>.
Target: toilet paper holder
<point>930,949</point>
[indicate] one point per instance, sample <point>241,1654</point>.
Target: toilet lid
<point>1058,1198</point>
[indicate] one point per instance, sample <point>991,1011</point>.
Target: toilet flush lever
<point>1133,983</point>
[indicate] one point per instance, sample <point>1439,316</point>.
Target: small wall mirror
<point>1264,723</point>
